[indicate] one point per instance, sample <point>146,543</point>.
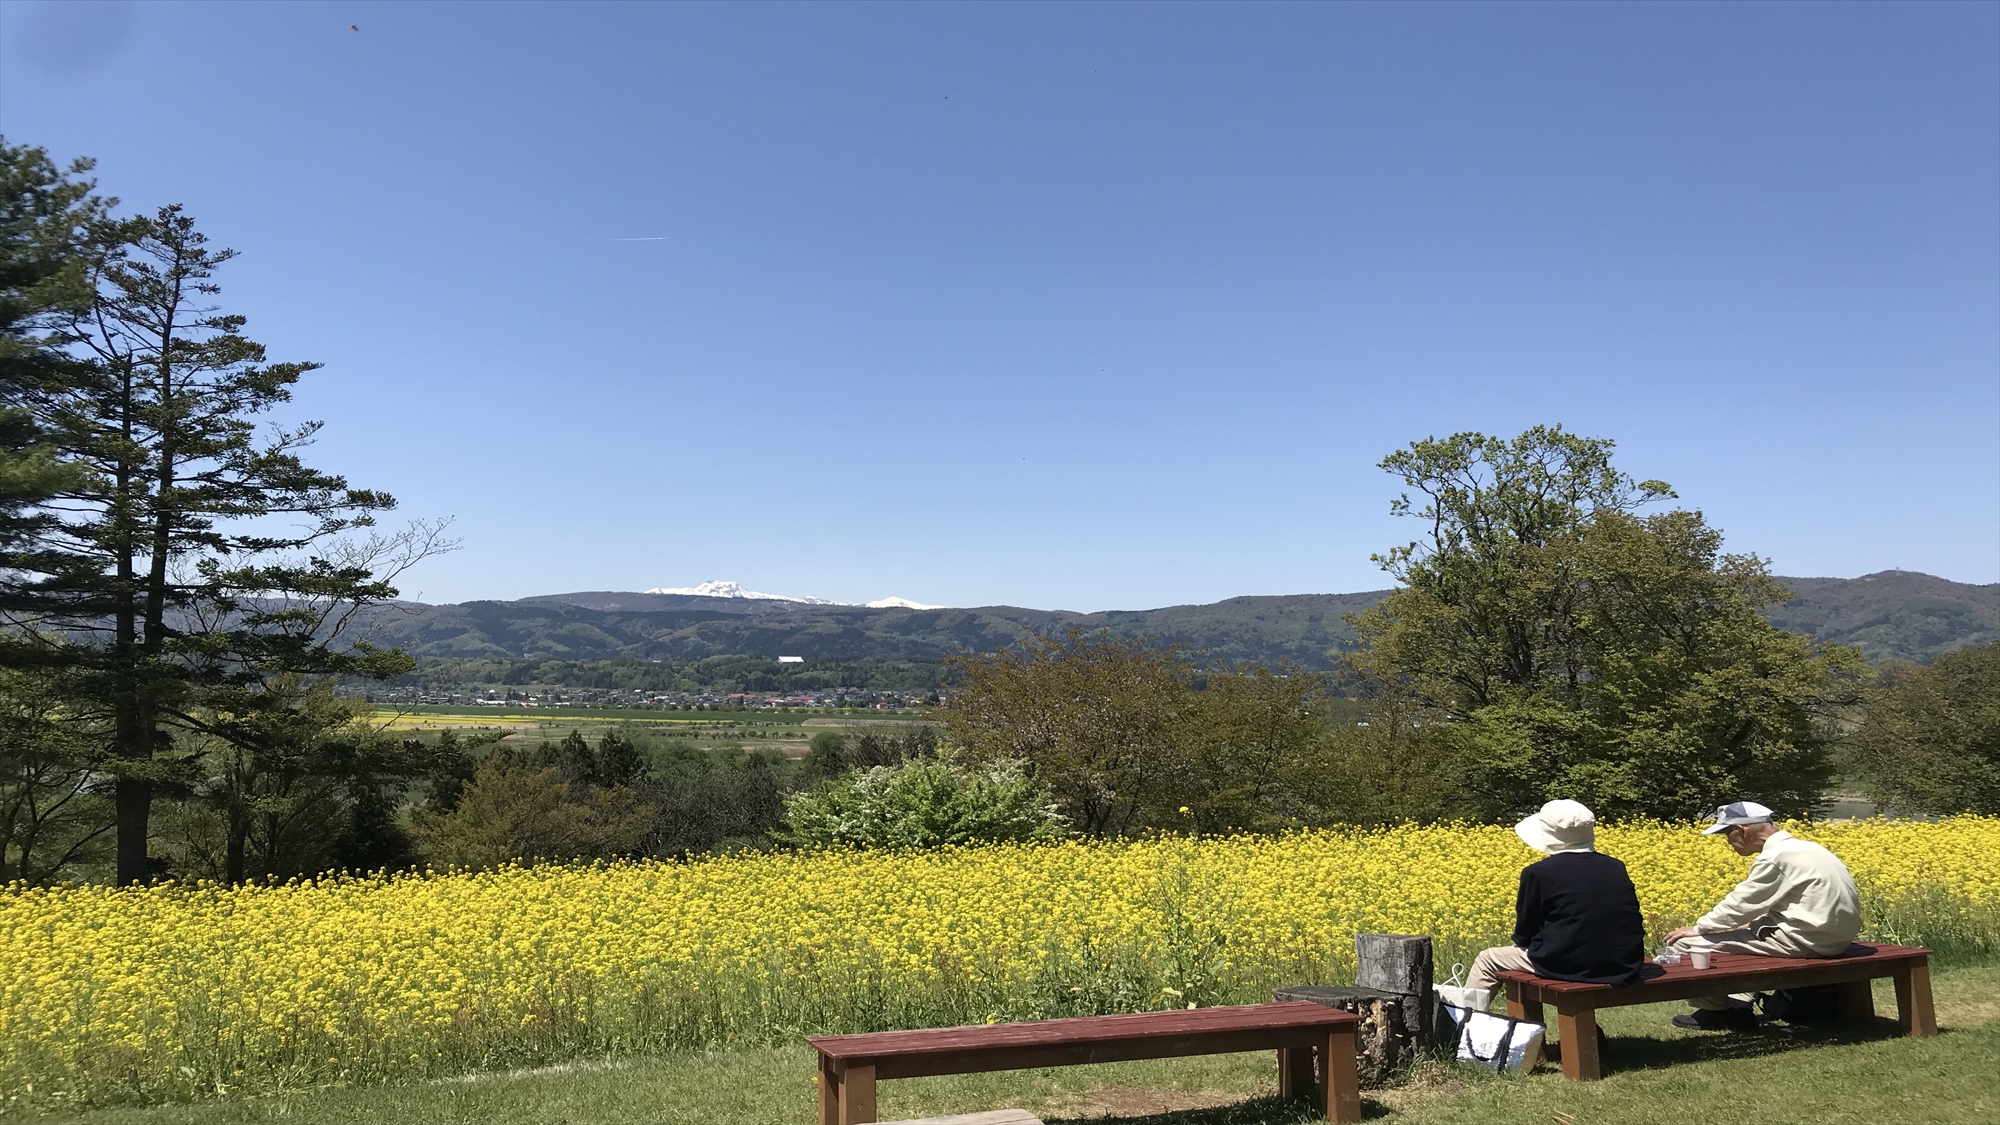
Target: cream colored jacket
<point>1799,887</point>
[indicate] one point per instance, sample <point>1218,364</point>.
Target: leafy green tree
<point>512,815</point>
<point>717,800</point>
<point>619,760</point>
<point>448,764</point>
<point>1929,741</point>
<point>297,783</point>
<point>1579,650</point>
<point>573,759</point>
<point>924,803</point>
<point>1248,745</point>
<point>832,753</point>
<point>1384,760</point>
<point>1100,720</point>
<point>54,814</point>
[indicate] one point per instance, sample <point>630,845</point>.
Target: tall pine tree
<point>181,552</point>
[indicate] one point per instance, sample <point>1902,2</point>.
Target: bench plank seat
<point>851,1064</point>
<point>1576,1004</point>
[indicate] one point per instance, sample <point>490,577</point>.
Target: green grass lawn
<point>1655,1073</point>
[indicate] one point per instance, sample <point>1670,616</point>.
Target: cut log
<point>1398,963</point>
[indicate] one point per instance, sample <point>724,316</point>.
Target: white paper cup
<point>1699,957</point>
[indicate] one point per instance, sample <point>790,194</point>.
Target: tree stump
<point>1382,1043</point>
<point>1393,997</point>
<point>1401,965</point>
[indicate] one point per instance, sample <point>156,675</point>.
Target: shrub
<point>924,803</point>
<point>516,815</point>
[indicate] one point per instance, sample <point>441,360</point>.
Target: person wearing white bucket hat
<point>1577,914</point>
<point>1799,900</point>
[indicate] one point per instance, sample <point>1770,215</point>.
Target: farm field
<point>170,993</point>
<point>647,714</point>
<point>785,732</point>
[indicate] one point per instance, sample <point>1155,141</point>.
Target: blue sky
<point>1077,306</point>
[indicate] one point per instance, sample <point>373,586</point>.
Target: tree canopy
<point>1579,649</point>
<point>1930,742</point>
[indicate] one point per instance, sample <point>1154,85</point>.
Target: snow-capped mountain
<point>735,590</point>
<point>721,589</point>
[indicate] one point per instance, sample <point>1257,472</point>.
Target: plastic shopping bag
<point>1498,1043</point>
<point>1476,999</point>
<point>1454,993</point>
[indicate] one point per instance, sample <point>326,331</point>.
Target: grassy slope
<point>1656,1074</point>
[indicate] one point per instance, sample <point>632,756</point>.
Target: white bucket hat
<point>1560,826</point>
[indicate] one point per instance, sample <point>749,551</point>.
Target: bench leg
<point>1578,1027</point>
<point>1295,1072</point>
<point>1519,1007</point>
<point>857,1095</point>
<point>1913,1000</point>
<point>1857,1002</point>
<point>829,1093</point>
<point>1340,1092</point>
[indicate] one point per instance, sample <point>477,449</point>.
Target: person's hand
<point>1681,934</point>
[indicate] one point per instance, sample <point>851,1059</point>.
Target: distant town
<point>846,698</point>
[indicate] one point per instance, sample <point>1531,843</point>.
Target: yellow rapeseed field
<point>205,988</point>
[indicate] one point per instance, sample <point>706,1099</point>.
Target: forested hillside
<point>1892,615</point>
<point>1306,628</point>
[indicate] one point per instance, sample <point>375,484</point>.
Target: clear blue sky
<point>1071,305</point>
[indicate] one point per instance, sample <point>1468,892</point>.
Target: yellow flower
<point>341,979</point>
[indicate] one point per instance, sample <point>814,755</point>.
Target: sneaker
<point>1708,1019</point>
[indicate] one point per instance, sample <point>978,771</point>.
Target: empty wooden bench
<point>850,1065</point>
<point>1577,1004</point>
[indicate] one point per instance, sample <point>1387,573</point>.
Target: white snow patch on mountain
<point>734,590</point>
<point>721,589</point>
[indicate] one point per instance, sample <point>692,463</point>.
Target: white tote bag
<point>1509,1046</point>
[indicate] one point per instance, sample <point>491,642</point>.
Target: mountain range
<point>1899,615</point>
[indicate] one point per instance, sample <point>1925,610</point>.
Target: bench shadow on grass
<point>1647,1053</point>
<point>1626,1053</point>
<point>1251,1111</point>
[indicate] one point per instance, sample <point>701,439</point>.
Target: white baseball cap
<point>1560,826</point>
<point>1741,812</point>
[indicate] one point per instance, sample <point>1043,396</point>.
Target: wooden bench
<point>1577,1004</point>
<point>850,1065</point>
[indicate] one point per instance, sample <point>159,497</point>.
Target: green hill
<point>1306,628</point>
<point>1892,615</point>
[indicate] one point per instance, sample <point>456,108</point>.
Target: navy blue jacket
<point>1578,917</point>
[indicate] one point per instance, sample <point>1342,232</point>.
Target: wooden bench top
<point>1729,972</point>
<point>1009,1046</point>
<point>1577,1004</point>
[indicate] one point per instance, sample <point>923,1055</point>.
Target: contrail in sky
<point>653,238</point>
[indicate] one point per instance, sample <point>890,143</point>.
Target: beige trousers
<point>1499,959</point>
<point>1768,941</point>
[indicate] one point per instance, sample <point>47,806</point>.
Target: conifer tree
<point>183,549</point>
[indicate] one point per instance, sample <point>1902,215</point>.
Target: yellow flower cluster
<point>338,979</point>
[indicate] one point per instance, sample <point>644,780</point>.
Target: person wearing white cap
<point>1577,914</point>
<point>1799,900</point>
